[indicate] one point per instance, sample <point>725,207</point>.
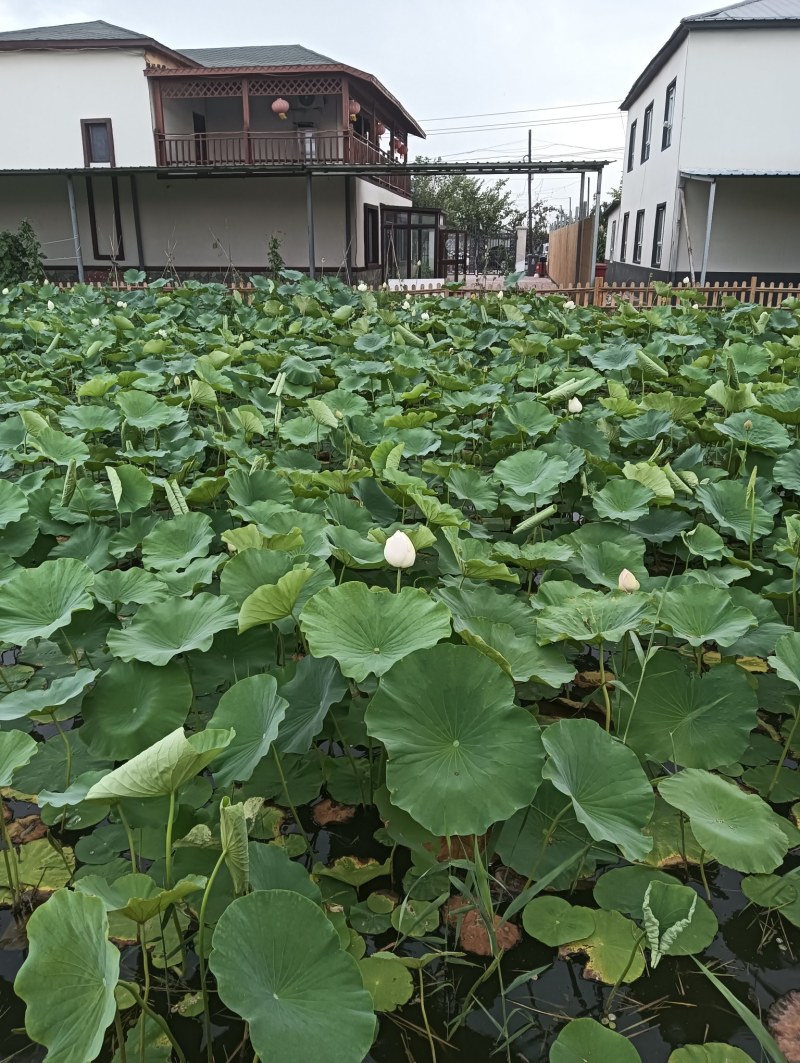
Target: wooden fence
<point>599,294</point>
<point>566,246</point>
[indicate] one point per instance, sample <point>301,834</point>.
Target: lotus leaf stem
<point>604,686</point>
<point>129,834</point>
<point>12,872</point>
<point>201,959</point>
<point>168,844</point>
<point>425,1022</point>
<point>703,873</point>
<point>133,989</point>
<point>785,752</point>
<point>295,815</point>
<point>621,979</point>
<point>123,1054</point>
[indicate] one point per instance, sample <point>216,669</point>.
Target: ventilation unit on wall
<point>310,103</point>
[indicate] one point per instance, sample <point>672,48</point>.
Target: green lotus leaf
<point>312,689</point>
<point>532,474</point>
<point>554,921</point>
<point>126,586</point>
<point>67,980</point>
<point>387,980</point>
<point>146,411</point>
<point>160,632</point>
<point>172,544</point>
<point>755,430</point>
<point>461,754</point>
<point>368,629</point>
<point>253,709</point>
<point>21,703</point>
<point>250,569</point>
<point>694,721</point>
<point>704,542</point>
<point>622,500</point>
<point>520,657</point>
<point>58,447</point>
<point>671,905</point>
<point>163,767</point>
<point>591,617</point>
<point>278,965</point>
<point>622,889</point>
<point>35,602</point>
<point>233,838</point>
<point>16,750</point>
<point>274,602</point>
<point>134,705</point>
<point>609,948</point>
<point>710,1052</point>
<point>733,827</point>
<point>587,1041</point>
<point>610,793</point>
<point>702,614</point>
<point>136,896</point>
<point>271,869</point>
<point>13,503</point>
<point>130,487</point>
<point>780,893</point>
<point>728,504</point>
<point>786,660</point>
<point>354,870</point>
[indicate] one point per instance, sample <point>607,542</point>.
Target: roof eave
<point>127,44</point>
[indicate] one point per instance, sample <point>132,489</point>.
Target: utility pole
<point>529,240</point>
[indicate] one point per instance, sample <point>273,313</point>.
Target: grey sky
<point>442,59</point>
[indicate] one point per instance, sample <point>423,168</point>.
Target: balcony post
<point>246,119</point>
<point>158,113</point>
<point>312,269</point>
<point>345,120</point>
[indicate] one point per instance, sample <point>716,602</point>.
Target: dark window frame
<point>87,142</point>
<point>638,237</point>
<point>626,221</point>
<point>670,97</point>
<point>658,237</point>
<point>632,145</point>
<point>647,131</point>
<point>372,235</point>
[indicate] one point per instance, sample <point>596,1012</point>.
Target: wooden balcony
<point>297,148</point>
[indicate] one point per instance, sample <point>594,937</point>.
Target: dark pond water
<point>661,1011</point>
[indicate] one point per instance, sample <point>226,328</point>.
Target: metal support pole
<point>137,221</point>
<point>348,231</point>
<point>712,195</point>
<point>76,235</point>
<point>312,271</point>
<point>595,226</point>
<point>529,240</point>
<point>578,242</point>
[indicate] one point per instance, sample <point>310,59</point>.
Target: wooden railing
<point>298,148</point>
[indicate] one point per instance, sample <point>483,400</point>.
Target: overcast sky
<point>515,63</point>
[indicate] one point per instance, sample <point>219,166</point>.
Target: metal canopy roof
<point>740,173</point>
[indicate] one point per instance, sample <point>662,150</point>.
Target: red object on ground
<point>600,269</point>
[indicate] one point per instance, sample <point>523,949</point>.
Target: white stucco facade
<point>729,81</point>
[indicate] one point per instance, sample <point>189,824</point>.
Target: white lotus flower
<point>406,305</point>
<point>5,291</point>
<point>628,582</point>
<point>95,322</point>
<point>424,316</point>
<point>121,304</point>
<point>574,405</point>
<point>362,287</point>
<point>399,551</point>
<point>695,306</point>
<point>499,295</point>
<point>176,380</point>
<point>162,332</point>
<point>686,281</point>
<point>51,305</point>
<point>569,305</point>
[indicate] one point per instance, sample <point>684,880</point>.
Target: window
<point>669,115</point>
<point>632,146</point>
<point>658,234</point>
<point>624,246</point>
<point>372,252</point>
<point>610,249</point>
<point>638,236</point>
<point>647,132</point>
<point>98,142</point>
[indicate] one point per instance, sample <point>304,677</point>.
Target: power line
<point>527,110</point>
<point>573,120</point>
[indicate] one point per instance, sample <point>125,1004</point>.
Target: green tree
<point>468,202</point>
<point>20,255</point>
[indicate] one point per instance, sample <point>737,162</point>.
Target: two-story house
<point>123,152</point>
<point>711,171</point>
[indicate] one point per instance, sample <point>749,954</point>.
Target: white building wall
<point>46,94</point>
<point>612,235</point>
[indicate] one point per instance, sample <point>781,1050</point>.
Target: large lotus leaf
<point>160,632</point>
<point>461,754</point>
<point>368,629</point>
<point>146,411</point>
<point>786,471</point>
<point>756,431</point>
<point>710,1052</point>
<point>35,602</point>
<point>273,602</point>
<point>622,500</point>
<point>21,703</point>
<point>587,1041</point>
<point>126,586</point>
<point>602,563</point>
<point>16,749</point>
<point>278,964</point>
<point>779,893</point>
<point>670,903</point>
<point>172,544</point>
<point>137,896</point>
<point>532,473</point>
<point>250,569</point>
<point>163,767</point>
<point>735,828</point>
<point>520,657</point>
<point>555,921</point>
<point>702,613</point>
<point>134,705</point>
<point>61,449</point>
<point>40,866</point>
<point>694,721</point>
<point>13,503</point>
<point>253,709</point>
<point>315,685</point>
<point>786,661</point>
<point>68,978</point>
<point>272,869</point>
<point>622,889</point>
<point>130,487</point>
<point>609,791</point>
<point>469,601</point>
<point>387,979</point>
<point>591,617</point>
<point>611,949</point>
<point>728,503</point>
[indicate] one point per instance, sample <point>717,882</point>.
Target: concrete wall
<point>46,94</point>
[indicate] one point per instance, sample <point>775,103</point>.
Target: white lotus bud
<point>499,295</point>
<point>5,291</point>
<point>176,380</point>
<point>362,287</point>
<point>628,582</point>
<point>569,305</point>
<point>51,305</point>
<point>748,425</point>
<point>121,304</point>
<point>686,281</point>
<point>424,316</point>
<point>574,405</point>
<point>95,322</point>
<point>695,306</point>
<point>406,305</point>
<point>399,551</point>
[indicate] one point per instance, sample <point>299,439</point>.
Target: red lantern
<point>355,110</point>
<point>280,107</point>
<point>380,129</point>
<point>402,149</point>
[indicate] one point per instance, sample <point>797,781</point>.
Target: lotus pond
<point>280,783</point>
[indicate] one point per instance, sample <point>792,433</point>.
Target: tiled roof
<point>74,31</point>
<point>271,55</point>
